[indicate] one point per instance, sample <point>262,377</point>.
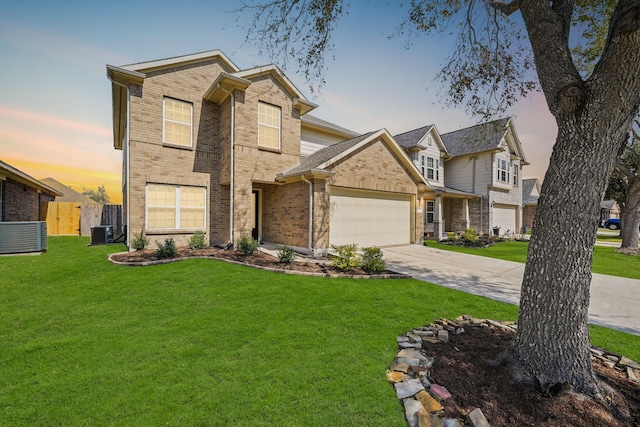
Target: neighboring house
<point>530,195</point>
<point>609,209</point>
<point>445,209</point>
<point>67,194</point>
<point>21,196</point>
<point>210,147</point>
<point>487,159</point>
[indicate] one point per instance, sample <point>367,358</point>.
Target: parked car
<point>612,224</point>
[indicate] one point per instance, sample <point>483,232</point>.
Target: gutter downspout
<point>232,156</point>
<point>127,162</point>
<point>310,213</point>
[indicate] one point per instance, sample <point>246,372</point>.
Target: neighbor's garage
<point>505,217</point>
<point>369,218</point>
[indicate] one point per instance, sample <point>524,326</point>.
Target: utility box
<point>102,234</point>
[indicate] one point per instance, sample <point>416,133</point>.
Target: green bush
<point>166,250</point>
<point>197,241</point>
<point>346,257</point>
<point>372,260</point>
<point>452,236</point>
<point>140,241</point>
<point>247,245</point>
<point>286,254</point>
<point>470,235</point>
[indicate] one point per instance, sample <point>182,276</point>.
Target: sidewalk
<point>615,301</point>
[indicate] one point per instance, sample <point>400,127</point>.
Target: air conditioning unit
<point>101,234</point>
<point>23,237</point>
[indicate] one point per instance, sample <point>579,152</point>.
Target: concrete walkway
<point>615,301</point>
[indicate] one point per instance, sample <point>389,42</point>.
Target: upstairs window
<point>178,122</point>
<point>433,168</point>
<point>503,169</point>
<point>422,164</point>
<point>515,175</point>
<point>269,126</point>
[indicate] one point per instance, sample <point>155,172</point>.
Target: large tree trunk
<point>593,115</point>
<point>552,340</point>
<point>630,216</point>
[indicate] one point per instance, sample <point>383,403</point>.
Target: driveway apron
<point>615,301</point>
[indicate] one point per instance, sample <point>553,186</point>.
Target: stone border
<point>421,399</point>
<point>273,270</point>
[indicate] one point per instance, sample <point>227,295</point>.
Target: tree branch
<point>504,7</point>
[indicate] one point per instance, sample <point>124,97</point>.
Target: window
<point>503,168</point>
<point>175,207</point>
<point>430,211</point>
<point>177,122</point>
<point>433,168</point>
<point>268,126</point>
<point>515,175</point>
<point>422,164</point>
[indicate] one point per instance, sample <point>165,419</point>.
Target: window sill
<point>179,147</point>
<point>159,231</point>
<point>270,150</point>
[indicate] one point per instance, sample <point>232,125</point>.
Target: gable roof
<point>67,194</point>
<point>484,137</point>
<point>415,139</point>
<point>174,61</point>
<point>21,177</point>
<point>527,189</point>
<point>326,157</point>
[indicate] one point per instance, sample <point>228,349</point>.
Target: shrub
<point>197,241</point>
<point>166,250</point>
<point>346,257</point>
<point>286,254</point>
<point>452,236</point>
<point>140,241</point>
<point>247,245</point>
<point>470,235</point>
<point>372,260</point>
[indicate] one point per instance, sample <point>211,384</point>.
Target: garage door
<point>369,218</point>
<point>505,217</point>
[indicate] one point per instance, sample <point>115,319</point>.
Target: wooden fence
<point>72,218</point>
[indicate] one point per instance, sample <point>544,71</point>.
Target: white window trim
<point>432,211</point>
<point>164,120</point>
<point>176,207</point>
<point>515,175</point>
<point>500,171</point>
<point>279,127</point>
<point>422,165</point>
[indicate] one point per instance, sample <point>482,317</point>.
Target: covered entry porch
<point>449,210</point>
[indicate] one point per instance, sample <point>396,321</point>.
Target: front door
<point>255,214</point>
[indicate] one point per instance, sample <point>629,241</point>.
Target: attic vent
<point>23,237</point>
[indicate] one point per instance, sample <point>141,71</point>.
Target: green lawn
<point>605,259</point>
<point>203,342</point>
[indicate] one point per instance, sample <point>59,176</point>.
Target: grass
<point>605,259</point>
<point>203,342</point>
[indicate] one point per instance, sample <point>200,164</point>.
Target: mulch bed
<point>259,259</point>
<point>462,366</point>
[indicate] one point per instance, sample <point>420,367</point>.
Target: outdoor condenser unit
<point>23,237</point>
<point>102,234</point>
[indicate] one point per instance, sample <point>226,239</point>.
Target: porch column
<point>465,211</point>
<point>438,224</point>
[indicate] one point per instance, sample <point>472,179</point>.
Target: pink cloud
<point>37,118</point>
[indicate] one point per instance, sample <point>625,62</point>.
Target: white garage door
<point>369,218</point>
<point>504,216</point>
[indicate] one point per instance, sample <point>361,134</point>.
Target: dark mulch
<point>307,265</point>
<point>461,365</point>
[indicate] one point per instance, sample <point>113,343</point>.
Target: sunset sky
<point>55,102</point>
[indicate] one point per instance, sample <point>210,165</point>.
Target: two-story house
<point>445,209</point>
<point>487,159</point>
<point>210,147</point>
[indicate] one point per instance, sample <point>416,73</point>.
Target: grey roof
<point>22,177</point>
<point>413,137</point>
<point>527,188</point>
<point>475,139</point>
<point>607,204</point>
<point>454,191</point>
<point>68,193</point>
<point>319,157</point>
<point>316,121</point>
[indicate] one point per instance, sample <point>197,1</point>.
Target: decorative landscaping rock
<point>409,373</point>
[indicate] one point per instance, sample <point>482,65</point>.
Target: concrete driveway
<point>615,301</point>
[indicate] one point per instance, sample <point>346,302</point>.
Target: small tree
<point>99,196</point>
